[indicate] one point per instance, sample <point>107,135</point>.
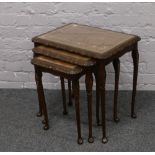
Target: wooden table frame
<point>104,46</point>
<point>76,90</point>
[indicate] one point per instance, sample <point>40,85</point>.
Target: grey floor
<point>21,130</point>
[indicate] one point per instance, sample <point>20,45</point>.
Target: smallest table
<point>100,44</point>
<point>68,71</point>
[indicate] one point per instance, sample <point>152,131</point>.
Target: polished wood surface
<point>86,40</point>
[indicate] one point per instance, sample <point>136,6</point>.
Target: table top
<point>64,56</point>
<point>86,40</point>
<point>56,65</point>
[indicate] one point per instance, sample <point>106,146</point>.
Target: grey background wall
<point>19,22</point>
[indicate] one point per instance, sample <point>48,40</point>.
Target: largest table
<point>101,44</point>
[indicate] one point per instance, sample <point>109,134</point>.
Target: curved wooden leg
<point>41,97</point>
<point>102,80</point>
<point>135,56</point>
<point>97,100</point>
<point>69,93</point>
<point>116,64</point>
<point>77,107</point>
<point>89,85</point>
<point>63,96</point>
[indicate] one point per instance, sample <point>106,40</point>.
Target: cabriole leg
<point>89,85</point>
<point>97,100</point>
<point>77,108</point>
<point>135,56</point>
<point>41,97</point>
<point>116,64</point>
<point>102,81</point>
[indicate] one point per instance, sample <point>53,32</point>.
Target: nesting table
<point>102,45</point>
